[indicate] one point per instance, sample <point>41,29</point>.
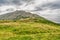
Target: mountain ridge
<point>17,15</point>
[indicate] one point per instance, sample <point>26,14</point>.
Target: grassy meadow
<point>29,29</point>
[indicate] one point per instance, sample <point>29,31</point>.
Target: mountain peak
<point>17,15</point>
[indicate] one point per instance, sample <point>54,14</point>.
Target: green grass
<point>29,29</point>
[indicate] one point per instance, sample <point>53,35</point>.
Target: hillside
<point>28,28</point>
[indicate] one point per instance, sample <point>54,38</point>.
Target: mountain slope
<point>17,15</point>
<point>31,27</point>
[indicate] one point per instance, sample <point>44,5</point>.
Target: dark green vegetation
<point>30,28</point>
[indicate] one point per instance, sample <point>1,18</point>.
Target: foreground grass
<point>29,29</point>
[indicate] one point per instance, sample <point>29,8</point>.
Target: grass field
<point>29,29</point>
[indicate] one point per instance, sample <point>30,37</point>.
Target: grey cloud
<point>2,1</point>
<point>14,2</point>
<point>38,9</point>
<point>10,2</point>
<point>52,6</point>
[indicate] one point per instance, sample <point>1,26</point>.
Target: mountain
<point>24,16</point>
<point>31,28</point>
<point>17,15</point>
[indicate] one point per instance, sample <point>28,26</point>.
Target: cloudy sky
<point>41,6</point>
<point>49,9</point>
<point>36,5</point>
